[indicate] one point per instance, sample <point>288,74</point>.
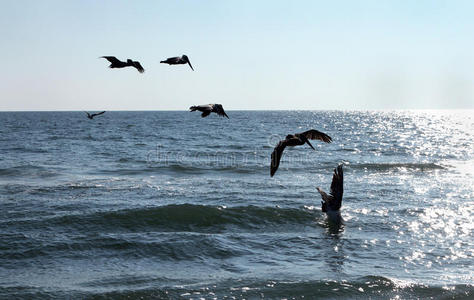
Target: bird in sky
<point>292,140</point>
<point>116,63</point>
<point>208,108</point>
<point>178,60</point>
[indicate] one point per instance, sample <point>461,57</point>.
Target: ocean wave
<point>131,160</point>
<point>252,167</point>
<point>22,149</point>
<point>69,188</point>
<point>377,287</point>
<point>395,166</point>
<point>186,218</point>
<point>27,170</point>
<point>178,168</point>
<point>138,287</point>
<point>101,139</point>
<point>176,247</point>
<point>172,232</point>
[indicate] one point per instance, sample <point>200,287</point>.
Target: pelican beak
<point>189,63</point>
<point>307,141</point>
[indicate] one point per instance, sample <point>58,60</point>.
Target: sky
<point>247,55</point>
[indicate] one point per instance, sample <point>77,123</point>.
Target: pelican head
<point>186,59</point>
<point>129,61</point>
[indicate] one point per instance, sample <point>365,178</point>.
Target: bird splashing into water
<point>331,203</point>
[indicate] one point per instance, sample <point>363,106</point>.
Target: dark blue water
<point>170,205</point>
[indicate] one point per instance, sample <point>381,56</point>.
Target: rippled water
<point>170,205</point>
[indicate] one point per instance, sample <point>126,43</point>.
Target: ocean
<point>169,205</point>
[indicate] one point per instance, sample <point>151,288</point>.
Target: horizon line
<point>180,110</point>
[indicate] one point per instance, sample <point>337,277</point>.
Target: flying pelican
<point>208,108</point>
<point>178,60</point>
<point>331,203</point>
<point>115,63</point>
<point>295,140</point>
<point>91,116</point>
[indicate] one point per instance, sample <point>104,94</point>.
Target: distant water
<point>170,205</point>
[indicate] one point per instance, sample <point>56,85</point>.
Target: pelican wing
<point>93,115</point>
<point>112,59</point>
<point>138,66</point>
<point>316,135</point>
<point>337,188</point>
<point>205,109</point>
<point>201,107</point>
<point>276,156</point>
<point>326,199</point>
<point>172,60</point>
<point>219,110</point>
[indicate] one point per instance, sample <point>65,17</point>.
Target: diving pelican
<point>331,203</point>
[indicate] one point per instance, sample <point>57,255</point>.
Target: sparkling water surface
<point>172,205</point>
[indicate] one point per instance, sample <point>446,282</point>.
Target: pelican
<point>115,63</point>
<point>295,140</point>
<point>331,203</point>
<point>208,108</point>
<point>91,116</point>
<point>178,60</point>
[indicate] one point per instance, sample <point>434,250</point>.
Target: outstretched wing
<point>112,59</point>
<point>138,66</point>
<point>205,113</point>
<point>172,60</point>
<point>88,114</point>
<point>316,135</point>
<point>93,115</point>
<point>201,108</point>
<point>337,188</point>
<point>220,110</point>
<point>326,199</point>
<point>276,156</point>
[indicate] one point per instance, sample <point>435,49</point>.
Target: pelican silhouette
<point>91,116</point>
<point>295,140</point>
<point>178,60</point>
<point>331,203</point>
<point>116,63</point>
<point>208,108</point>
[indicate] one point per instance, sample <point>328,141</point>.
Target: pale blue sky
<point>246,54</point>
